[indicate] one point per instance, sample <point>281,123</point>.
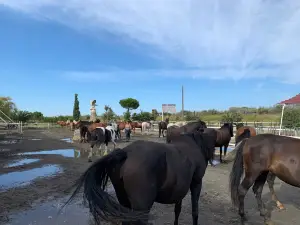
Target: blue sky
<point>244,55</point>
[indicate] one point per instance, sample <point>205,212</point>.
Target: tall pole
<point>182,102</point>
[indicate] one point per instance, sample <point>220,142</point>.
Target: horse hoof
<point>269,222</point>
<point>280,206</point>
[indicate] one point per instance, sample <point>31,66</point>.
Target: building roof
<point>291,101</point>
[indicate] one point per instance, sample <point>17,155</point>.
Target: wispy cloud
<point>244,38</point>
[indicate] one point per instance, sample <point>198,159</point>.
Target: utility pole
<point>182,102</point>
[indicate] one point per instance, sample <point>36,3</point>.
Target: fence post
<point>21,126</point>
<point>48,126</point>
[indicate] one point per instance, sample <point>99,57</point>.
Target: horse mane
<point>228,126</point>
<point>205,142</point>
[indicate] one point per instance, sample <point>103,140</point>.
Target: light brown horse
<point>136,125</point>
<point>242,131</point>
<point>240,128</point>
<point>256,157</point>
<point>93,126</point>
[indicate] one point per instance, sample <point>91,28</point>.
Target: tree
<point>109,113</point>
<point>127,116</point>
<point>231,117</point>
<point>129,103</point>
<point>291,118</point>
<point>76,111</point>
<point>23,116</point>
<point>37,116</point>
<point>142,116</point>
<point>7,105</point>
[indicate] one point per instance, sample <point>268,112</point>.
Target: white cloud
<point>237,37</point>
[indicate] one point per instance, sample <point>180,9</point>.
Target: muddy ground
<point>33,187</point>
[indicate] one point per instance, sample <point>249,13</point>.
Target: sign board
<point>169,108</point>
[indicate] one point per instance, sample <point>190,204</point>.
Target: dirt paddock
<point>34,182</point>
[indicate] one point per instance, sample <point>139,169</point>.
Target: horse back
<point>278,154</point>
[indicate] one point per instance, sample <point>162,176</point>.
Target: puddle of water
<point>16,179</point>
<point>215,162</point>
<point>21,162</point>
<point>71,153</point>
<point>4,149</point>
<point>68,140</point>
<point>46,214</point>
<point>35,139</point>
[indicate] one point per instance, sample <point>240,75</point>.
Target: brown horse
<point>240,128</point>
<point>223,136</point>
<point>173,131</point>
<point>257,156</point>
<point>136,125</point>
<point>162,126</point>
<point>251,132</point>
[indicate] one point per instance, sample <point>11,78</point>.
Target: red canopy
<point>291,101</point>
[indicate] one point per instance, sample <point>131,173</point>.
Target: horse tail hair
<point>101,204</point>
<point>237,173</point>
<point>168,137</point>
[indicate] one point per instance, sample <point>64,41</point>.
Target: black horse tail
<point>168,137</point>
<point>101,204</point>
<point>237,173</point>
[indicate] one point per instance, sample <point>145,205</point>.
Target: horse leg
<point>242,191</point>
<point>177,211</point>
<point>221,152</point>
<point>91,153</point>
<point>257,190</point>
<point>195,194</point>
<point>159,132</point>
<point>270,179</point>
<point>225,149</point>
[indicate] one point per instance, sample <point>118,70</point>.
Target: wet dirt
<point>38,201</point>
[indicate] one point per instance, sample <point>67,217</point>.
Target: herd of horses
<point>145,172</point>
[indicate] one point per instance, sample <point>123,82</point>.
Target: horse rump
<point>101,204</point>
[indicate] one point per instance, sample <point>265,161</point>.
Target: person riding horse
<point>128,128</point>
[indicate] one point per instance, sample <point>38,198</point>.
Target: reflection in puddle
<point>35,139</point>
<point>4,149</point>
<point>63,152</point>
<point>47,213</point>
<point>16,179</point>
<point>215,162</point>
<point>21,162</point>
<point>68,140</point>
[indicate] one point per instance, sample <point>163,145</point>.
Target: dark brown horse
<point>223,136</point>
<point>247,133</point>
<point>257,156</point>
<point>162,126</point>
<point>86,127</point>
<point>83,128</point>
<point>145,172</point>
<point>136,125</point>
<point>174,131</point>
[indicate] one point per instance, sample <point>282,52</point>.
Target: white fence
<point>261,127</point>
<point>8,128</point>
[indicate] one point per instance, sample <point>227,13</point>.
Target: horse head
<point>229,126</point>
<point>167,120</point>
<point>97,121</point>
